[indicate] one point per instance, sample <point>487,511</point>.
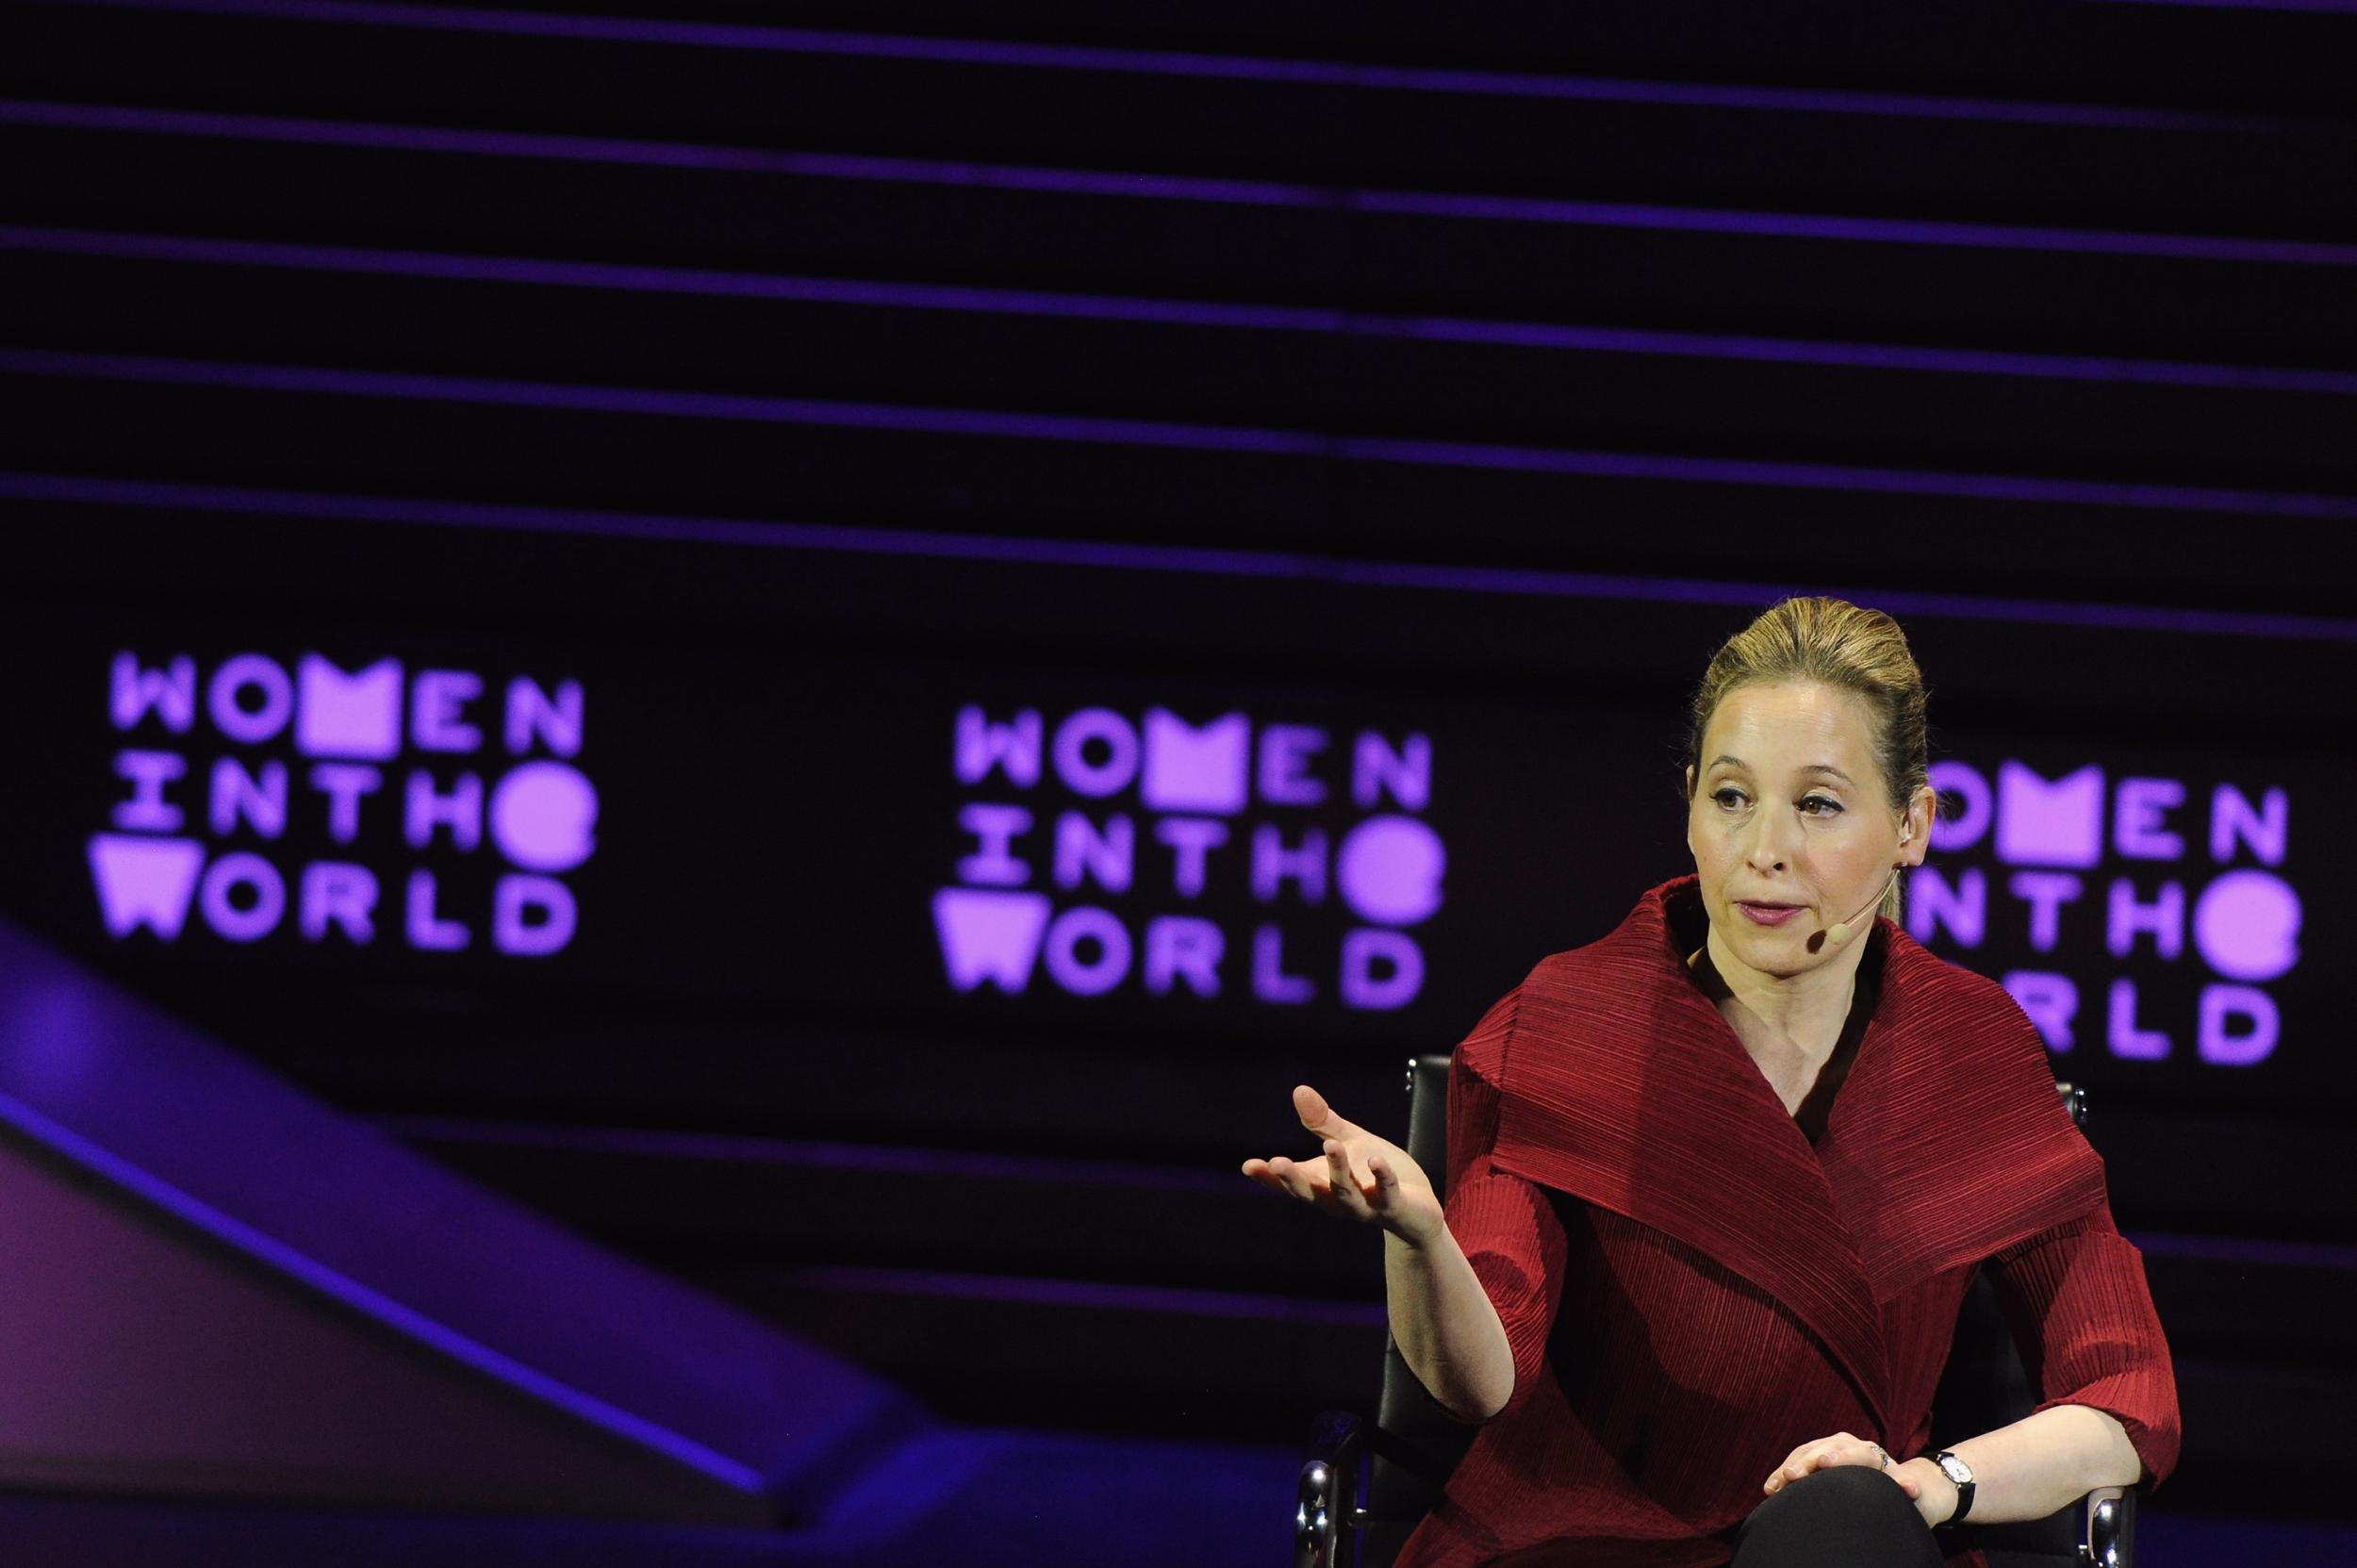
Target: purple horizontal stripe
<point>2343,6</point>
<point>919,543</point>
<point>1955,606</point>
<point>1090,1295</point>
<point>1105,556</point>
<point>2240,1250</point>
<point>738,1148</point>
<point>1166,62</point>
<point>1885,231</point>
<point>662,401</point>
<point>371,1303</point>
<point>1167,435</point>
<point>1178,188</point>
<point>1191,313</point>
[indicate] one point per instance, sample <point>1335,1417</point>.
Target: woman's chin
<point>1781,951</point>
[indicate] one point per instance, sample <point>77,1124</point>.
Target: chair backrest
<point>1416,1444</point>
<point>1986,1386</point>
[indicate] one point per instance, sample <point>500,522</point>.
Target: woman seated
<point>1718,1183</point>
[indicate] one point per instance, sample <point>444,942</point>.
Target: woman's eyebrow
<point>1812,768</point>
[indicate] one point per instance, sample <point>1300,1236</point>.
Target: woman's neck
<point>1805,1012</point>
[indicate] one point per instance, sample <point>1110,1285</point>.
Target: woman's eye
<point>1722,793</point>
<point>1831,805</point>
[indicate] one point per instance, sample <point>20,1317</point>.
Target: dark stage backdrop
<point>836,646</point>
<point>1238,860</point>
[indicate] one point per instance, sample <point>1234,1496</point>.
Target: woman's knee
<point>1847,1513</point>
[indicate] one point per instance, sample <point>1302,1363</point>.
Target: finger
<point>1801,1462</point>
<point>1320,1117</point>
<point>1343,1180</point>
<point>1386,1182</point>
<point>1822,1454</point>
<point>1296,1178</point>
<point>1356,1170</point>
<point>1265,1174</point>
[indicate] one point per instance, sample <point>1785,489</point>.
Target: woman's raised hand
<point>1360,1176</point>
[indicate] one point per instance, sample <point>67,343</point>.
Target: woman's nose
<point>1769,840</point>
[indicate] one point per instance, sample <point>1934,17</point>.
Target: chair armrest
<point>2111,1538</point>
<point>1328,1496</point>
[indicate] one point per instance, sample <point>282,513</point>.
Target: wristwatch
<point>1960,1472</point>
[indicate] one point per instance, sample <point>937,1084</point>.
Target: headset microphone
<point>1842,930</point>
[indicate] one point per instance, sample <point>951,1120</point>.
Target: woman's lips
<point>1769,914</point>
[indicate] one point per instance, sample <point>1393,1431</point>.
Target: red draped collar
<point>1623,1085</point>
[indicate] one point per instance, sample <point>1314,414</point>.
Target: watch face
<point>1957,1470</point>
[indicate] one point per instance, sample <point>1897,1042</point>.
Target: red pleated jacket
<point>1693,1288</point>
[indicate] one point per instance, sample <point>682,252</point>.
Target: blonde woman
<point>1718,1180</point>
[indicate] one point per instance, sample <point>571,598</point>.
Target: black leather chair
<point>1363,1487</point>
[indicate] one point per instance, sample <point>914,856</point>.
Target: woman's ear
<point>1689,802</point>
<point>1916,832</point>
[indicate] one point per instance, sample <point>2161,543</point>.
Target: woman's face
<point>1791,824</point>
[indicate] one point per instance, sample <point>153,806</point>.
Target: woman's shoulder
<point>1482,1053</point>
<point>1932,992</point>
<point>1538,999</point>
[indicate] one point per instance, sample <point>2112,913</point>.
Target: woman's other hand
<point>1360,1176</point>
<point>1933,1495</point>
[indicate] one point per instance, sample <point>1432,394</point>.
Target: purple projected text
<point>2099,873</point>
<point>401,770</point>
<point>1098,830</point>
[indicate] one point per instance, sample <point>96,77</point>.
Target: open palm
<point>1362,1176</point>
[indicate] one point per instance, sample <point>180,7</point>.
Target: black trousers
<point>1846,1518</point>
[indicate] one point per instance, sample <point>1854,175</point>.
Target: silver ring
<point>1879,1455</point>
